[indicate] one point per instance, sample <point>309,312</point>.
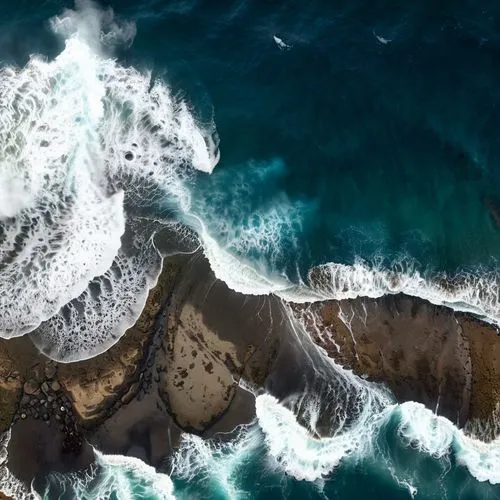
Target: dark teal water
<point>372,131</point>
<point>368,477</point>
<point>383,149</point>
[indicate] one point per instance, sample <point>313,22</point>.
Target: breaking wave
<point>83,142</point>
<point>111,476</point>
<point>474,292</point>
<point>211,466</point>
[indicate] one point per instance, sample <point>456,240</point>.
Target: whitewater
<point>361,417</point>
<point>86,144</point>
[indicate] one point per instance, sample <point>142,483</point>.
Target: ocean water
<point>317,150</point>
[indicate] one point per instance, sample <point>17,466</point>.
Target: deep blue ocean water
<point>381,148</point>
<point>348,130</point>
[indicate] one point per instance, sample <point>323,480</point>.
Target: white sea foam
<point>215,465</point>
<point>381,39</point>
<point>404,483</point>
<point>131,478</point>
<point>348,409</point>
<point>248,248</point>
<point>65,227</point>
<point>425,431</point>
<point>302,455</point>
<point>242,244</point>
<point>434,435</point>
<point>112,476</point>
<point>238,273</point>
<point>294,447</point>
<point>82,140</point>
<point>468,292</point>
<point>360,411</point>
<point>281,44</point>
<point>310,457</point>
<point>474,292</point>
<point>481,459</point>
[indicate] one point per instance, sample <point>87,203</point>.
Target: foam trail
<point>112,476</point>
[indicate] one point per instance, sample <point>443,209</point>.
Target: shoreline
<point>178,369</point>
<point>421,352</point>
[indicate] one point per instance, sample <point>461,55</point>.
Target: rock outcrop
<point>425,353</point>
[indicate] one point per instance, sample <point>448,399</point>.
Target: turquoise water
<point>355,136</point>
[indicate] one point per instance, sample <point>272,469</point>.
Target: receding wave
<point>94,321</point>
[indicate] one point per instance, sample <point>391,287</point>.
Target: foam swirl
<point>84,142</point>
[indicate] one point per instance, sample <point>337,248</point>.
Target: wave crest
<point>84,141</point>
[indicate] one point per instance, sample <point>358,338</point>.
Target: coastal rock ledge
<point>179,369</point>
<point>446,360</point>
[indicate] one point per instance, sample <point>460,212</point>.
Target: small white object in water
<point>281,44</point>
<point>381,39</point>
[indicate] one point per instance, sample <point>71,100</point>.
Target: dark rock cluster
<point>43,399</point>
